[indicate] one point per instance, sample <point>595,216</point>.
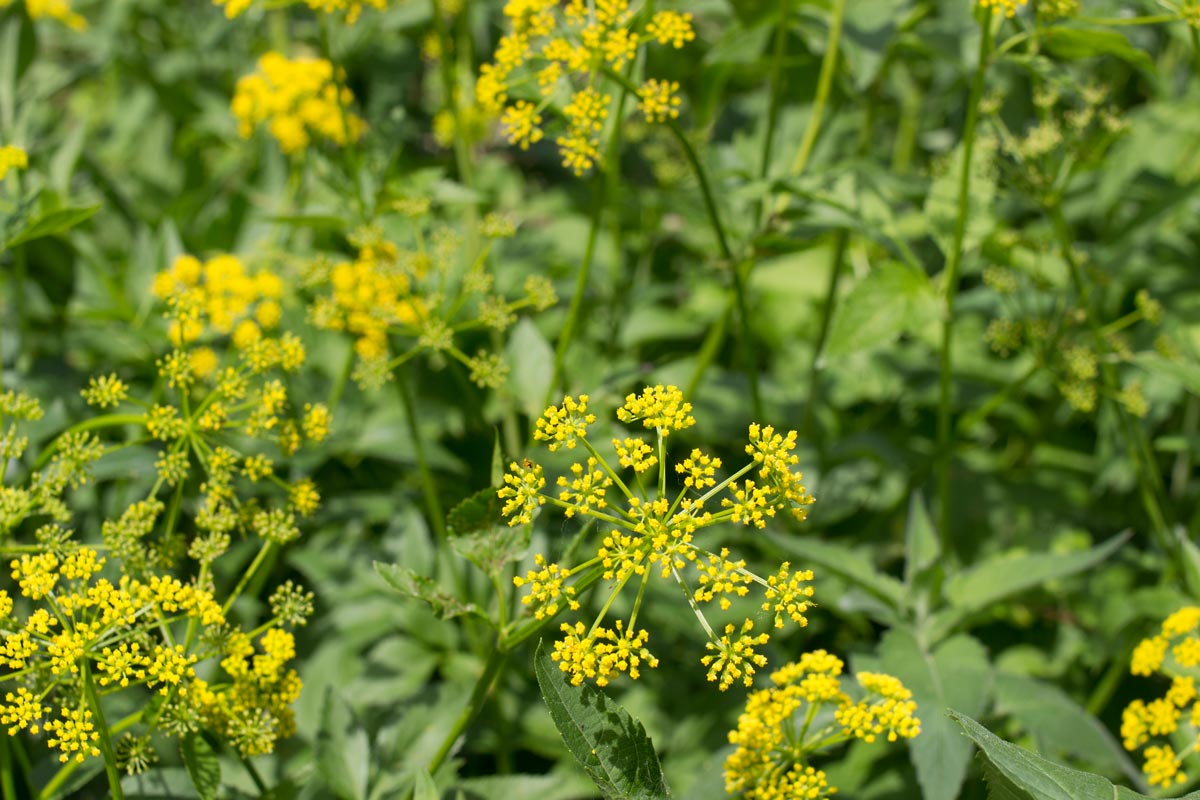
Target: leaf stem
<point>106,748</point>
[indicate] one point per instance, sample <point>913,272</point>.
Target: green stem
<point>483,685</point>
<point>824,84</point>
<point>462,155</point>
<point>953,261</point>
<point>433,505</point>
<point>247,575</point>
<point>773,87</point>
<point>814,366</point>
<point>106,748</point>
<point>106,421</point>
<point>8,786</point>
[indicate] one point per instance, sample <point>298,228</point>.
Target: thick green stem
<point>8,786</point>
<point>106,748</point>
<point>433,505</point>
<point>953,261</point>
<point>773,88</point>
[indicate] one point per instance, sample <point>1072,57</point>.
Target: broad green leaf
<point>491,550</point>
<point>202,765</point>
<point>893,299</point>
<point>996,578</point>
<point>343,750</point>
<point>1059,725</point>
<point>422,587</point>
<point>1031,777</point>
<point>610,745</point>
<point>954,675</point>
<point>1074,43</point>
<point>532,361</point>
<point>848,564</point>
<point>54,222</point>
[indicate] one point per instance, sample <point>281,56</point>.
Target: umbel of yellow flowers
<point>1175,654</point>
<point>782,726</point>
<point>567,51</point>
<point>650,531</point>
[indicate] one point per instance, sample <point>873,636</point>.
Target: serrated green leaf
<point>1038,778</point>
<point>479,512</point>
<point>1059,725</point>
<point>202,765</point>
<point>53,223</point>
<point>610,745</point>
<point>421,587</point>
<point>956,674</point>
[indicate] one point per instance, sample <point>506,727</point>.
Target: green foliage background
<point>1013,593</point>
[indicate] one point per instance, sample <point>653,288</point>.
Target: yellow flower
<point>12,158</point>
<point>1006,7</point>
<point>659,100</point>
<point>297,99</point>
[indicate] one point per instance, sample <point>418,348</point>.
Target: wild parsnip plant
<point>301,456</point>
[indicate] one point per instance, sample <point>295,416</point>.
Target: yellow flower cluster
<point>298,99</point>
<point>116,629</point>
<point>51,9</point>
<point>1174,653</point>
<point>782,728</point>
<point>12,158</point>
<point>566,50</point>
<point>651,531</point>
<point>420,294</point>
<point>352,8</point>
<point>219,296</point>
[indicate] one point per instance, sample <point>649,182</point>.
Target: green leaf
<point>479,512</point>
<point>202,765</point>
<point>53,223</point>
<point>1059,725</point>
<point>893,299</point>
<point>998,577</point>
<point>1030,777</point>
<point>921,545</point>
<point>343,750</point>
<point>954,675</point>
<point>421,587</point>
<point>1075,43</point>
<point>610,745</point>
<point>426,789</point>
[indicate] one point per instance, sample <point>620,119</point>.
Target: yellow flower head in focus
<point>1173,653</point>
<point>651,529</point>
<point>782,728</point>
<point>298,100</point>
